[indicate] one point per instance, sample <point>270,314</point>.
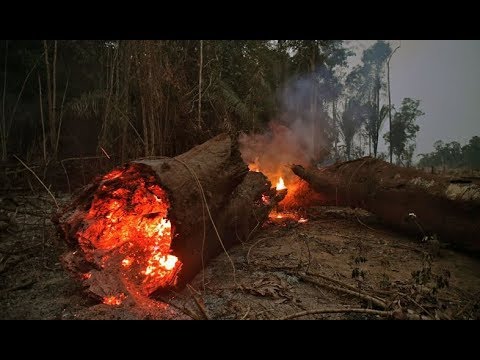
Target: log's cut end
<point>121,235</point>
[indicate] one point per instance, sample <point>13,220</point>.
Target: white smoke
<point>297,136</point>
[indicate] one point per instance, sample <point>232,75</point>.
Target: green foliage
<point>382,156</point>
<point>471,152</point>
<point>429,281</point>
<point>360,259</point>
<point>374,121</point>
<point>453,155</point>
<point>385,282</point>
<point>404,130</point>
<point>141,98</point>
<point>358,273</point>
<point>365,84</point>
<point>144,93</point>
<point>351,122</point>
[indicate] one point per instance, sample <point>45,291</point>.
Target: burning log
<point>152,224</point>
<point>406,199</point>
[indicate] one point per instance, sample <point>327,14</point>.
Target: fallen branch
<point>246,314</point>
<point>338,282</point>
<point>16,252</point>
<point>309,254</point>
<point>5,262</point>
<point>41,182</point>
<point>200,306</point>
<point>253,245</point>
<point>421,307</point>
<point>31,213</point>
<point>76,158</point>
<point>192,314</point>
<point>21,286</point>
<point>356,293</point>
<point>337,311</point>
<point>362,223</point>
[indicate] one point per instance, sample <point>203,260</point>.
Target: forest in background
<point>137,98</point>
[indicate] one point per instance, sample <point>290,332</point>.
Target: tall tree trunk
<point>313,104</point>
<point>200,87</point>
<point>390,104</point>
<point>377,118</point>
<point>335,124</point>
<point>143,107</point>
<point>313,114</point>
<point>369,146</point>
<point>348,147</point>
<point>60,120</point>
<point>44,140</point>
<point>4,119</point>
<point>49,94</point>
<point>145,126</point>
<point>109,88</point>
<point>360,141</point>
<point>54,99</point>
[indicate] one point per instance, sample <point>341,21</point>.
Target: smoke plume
<point>299,135</point>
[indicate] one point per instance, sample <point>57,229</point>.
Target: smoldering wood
<point>233,195</point>
<point>449,208</point>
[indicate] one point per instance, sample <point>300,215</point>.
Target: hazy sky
<point>445,76</point>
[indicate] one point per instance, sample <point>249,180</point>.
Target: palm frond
<point>232,100</point>
<point>87,104</point>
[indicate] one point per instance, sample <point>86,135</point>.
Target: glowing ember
<point>86,276</point>
<point>280,184</point>
<point>255,166</point>
<point>159,265</point>
<point>128,227</point>
<point>127,262</point>
<point>286,216</point>
<point>168,262</point>
<point>114,300</point>
<point>266,199</point>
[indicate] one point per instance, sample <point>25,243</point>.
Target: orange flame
<point>280,176</point>
<point>253,167</point>
<point>280,184</point>
<point>265,199</point>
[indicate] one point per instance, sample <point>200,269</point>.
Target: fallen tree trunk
<point>445,207</point>
<point>153,224</point>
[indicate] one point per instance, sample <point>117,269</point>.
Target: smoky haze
<point>444,75</point>
<point>272,151</point>
<point>296,136</point>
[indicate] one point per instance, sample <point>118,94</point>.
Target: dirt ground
<point>341,264</point>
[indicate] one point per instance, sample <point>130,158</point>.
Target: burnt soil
<point>285,269</point>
